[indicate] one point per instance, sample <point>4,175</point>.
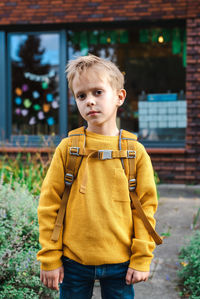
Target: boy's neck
<point>104,130</point>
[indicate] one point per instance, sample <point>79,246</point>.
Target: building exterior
<point>156,43</point>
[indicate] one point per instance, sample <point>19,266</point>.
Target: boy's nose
<point>90,101</point>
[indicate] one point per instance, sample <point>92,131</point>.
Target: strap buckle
<point>74,151</point>
<point>105,154</point>
<point>131,154</point>
<point>132,184</point>
<point>69,178</point>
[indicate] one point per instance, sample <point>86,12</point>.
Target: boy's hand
<point>51,278</point>
<point>134,276</point>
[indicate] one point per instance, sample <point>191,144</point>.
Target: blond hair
<point>83,63</point>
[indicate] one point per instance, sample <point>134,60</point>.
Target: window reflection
<point>153,60</point>
<point>35,96</point>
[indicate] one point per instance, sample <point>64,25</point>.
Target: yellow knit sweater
<point>99,227</point>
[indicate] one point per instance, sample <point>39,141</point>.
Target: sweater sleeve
<point>142,243</point>
<point>50,198</point>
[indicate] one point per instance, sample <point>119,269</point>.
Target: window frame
<point>3,110</point>
<point>62,29</point>
<point>34,140</point>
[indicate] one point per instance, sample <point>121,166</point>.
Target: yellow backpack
<point>75,153</point>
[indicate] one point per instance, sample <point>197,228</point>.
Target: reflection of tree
<point>31,54</point>
<point>33,90</point>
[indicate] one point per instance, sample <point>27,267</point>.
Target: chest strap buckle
<point>105,154</point>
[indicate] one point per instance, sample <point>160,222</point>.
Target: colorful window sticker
<point>32,121</point>
<point>40,115</point>
<point>36,107</point>
<point>50,121</point>
<point>46,108</point>
<point>55,105</point>
<point>18,111</point>
<point>35,94</point>
<point>18,101</point>
<point>45,85</point>
<point>49,97</point>
<point>24,112</point>
<point>25,87</point>
<point>18,91</point>
<point>27,103</point>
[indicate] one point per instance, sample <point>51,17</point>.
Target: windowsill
<point>30,143</point>
<point>165,146</point>
<point>26,150</point>
<point>166,150</point>
<point>50,150</point>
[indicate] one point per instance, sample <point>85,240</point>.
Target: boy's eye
<point>81,96</point>
<point>98,92</point>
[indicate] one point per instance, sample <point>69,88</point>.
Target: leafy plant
<point>190,271</point>
<point>167,234</point>
<point>196,220</point>
<point>156,178</point>
<point>26,169</point>
<point>19,276</point>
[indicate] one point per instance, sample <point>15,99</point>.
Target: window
<point>36,91</point>
<point>2,86</point>
<point>35,101</point>
<point>35,77</point>
<point>153,60</point>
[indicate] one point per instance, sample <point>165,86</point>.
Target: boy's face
<point>97,101</point>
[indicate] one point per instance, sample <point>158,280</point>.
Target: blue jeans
<point>79,280</point>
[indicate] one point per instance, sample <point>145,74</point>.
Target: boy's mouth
<point>92,112</point>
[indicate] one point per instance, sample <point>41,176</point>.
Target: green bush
<point>19,275</point>
<point>190,272</point>
<point>26,169</point>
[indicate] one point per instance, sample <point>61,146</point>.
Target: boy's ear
<point>121,96</point>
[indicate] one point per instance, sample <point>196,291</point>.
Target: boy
<point>102,237</point>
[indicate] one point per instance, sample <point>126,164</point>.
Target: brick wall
<point>178,166</point>
<point>61,11</point>
<point>192,165</point>
<point>170,166</point>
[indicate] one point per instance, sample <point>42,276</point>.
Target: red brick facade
<point>61,11</point>
<point>172,165</point>
<point>192,162</point>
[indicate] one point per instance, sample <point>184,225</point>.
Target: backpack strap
<point>76,142</point>
<point>130,140</point>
